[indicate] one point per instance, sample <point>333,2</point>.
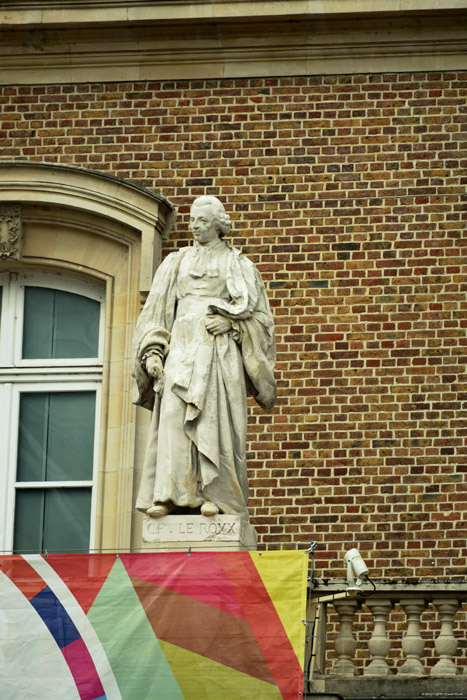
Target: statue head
<point>213,209</point>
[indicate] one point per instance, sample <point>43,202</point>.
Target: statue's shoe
<point>158,510</point>
<point>209,509</point>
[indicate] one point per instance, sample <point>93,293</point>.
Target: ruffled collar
<point>205,259</point>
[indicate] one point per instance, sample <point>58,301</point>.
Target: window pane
<point>59,324</point>
<point>56,436</point>
<point>56,520</point>
<point>29,521</point>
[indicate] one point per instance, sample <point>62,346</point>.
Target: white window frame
<point>10,353</point>
<point>19,376</point>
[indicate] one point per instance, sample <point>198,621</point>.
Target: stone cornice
<point>186,45</point>
<point>111,12</point>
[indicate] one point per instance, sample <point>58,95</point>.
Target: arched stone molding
<point>151,215</point>
<point>82,224</point>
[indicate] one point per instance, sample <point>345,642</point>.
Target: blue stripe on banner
<point>55,617</point>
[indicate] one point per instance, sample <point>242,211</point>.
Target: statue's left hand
<point>217,324</point>
<point>155,370</point>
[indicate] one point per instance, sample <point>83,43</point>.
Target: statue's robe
<point>196,446</point>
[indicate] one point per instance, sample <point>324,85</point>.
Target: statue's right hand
<point>155,370</point>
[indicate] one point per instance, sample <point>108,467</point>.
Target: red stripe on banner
<point>264,622</point>
<point>22,575</point>
<point>200,576</point>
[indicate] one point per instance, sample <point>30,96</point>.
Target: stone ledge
<point>398,687</point>
<point>395,589</point>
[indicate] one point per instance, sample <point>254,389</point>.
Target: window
<point>51,332</point>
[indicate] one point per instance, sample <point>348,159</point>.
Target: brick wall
<point>349,194</point>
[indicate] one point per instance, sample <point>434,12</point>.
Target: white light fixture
<point>355,567</point>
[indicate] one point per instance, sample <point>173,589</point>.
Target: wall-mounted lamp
<point>355,567</point>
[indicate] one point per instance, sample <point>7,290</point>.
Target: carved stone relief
<point>10,232</point>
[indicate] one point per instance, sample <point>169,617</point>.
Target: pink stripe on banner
<point>83,671</point>
<point>201,576</point>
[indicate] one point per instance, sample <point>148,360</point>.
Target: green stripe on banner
<point>132,648</point>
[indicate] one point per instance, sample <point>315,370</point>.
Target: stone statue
<point>203,341</point>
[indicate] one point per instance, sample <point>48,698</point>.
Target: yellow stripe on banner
<point>284,575</point>
<point>200,678</point>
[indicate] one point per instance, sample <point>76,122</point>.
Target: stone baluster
<point>446,643</point>
<point>412,643</point>
<point>379,643</point>
<point>345,643</point>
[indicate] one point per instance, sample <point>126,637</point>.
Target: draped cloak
<point>196,446</point>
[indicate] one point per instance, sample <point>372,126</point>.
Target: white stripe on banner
<point>32,666</point>
<point>79,618</point>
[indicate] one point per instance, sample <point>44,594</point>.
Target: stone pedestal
<point>182,532</point>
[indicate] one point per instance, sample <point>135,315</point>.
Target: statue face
<point>203,225</point>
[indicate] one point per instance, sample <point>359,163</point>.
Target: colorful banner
<point>165,626</point>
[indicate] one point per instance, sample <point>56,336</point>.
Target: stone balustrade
<point>368,615</point>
